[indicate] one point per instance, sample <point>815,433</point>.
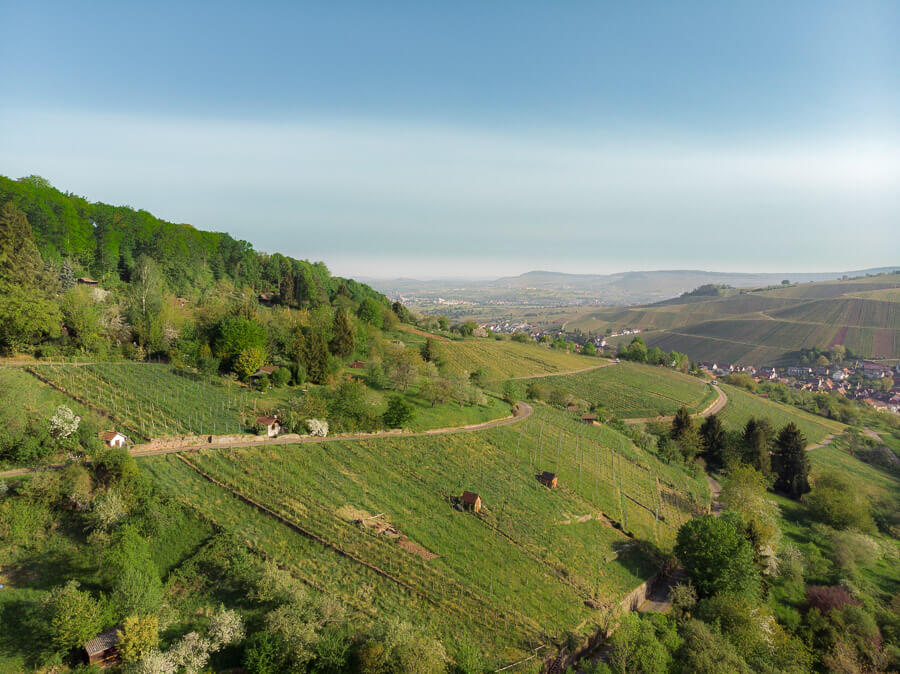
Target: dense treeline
<point>163,290</point>
<point>106,242</point>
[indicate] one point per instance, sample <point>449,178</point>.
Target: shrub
<point>827,598</point>
<point>717,557</point>
<point>281,377</point>
<point>138,636</point>
<point>73,616</point>
<point>399,412</point>
<point>838,501</point>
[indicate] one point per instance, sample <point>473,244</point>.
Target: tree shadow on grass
<point>22,633</point>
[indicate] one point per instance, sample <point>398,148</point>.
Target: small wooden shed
<point>548,479</point>
<point>266,370</point>
<point>273,428</point>
<point>358,365</point>
<point>114,438</point>
<point>589,418</point>
<point>471,501</point>
<point>572,407</point>
<point>103,650</point>
<point>86,281</point>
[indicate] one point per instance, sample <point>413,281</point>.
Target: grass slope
<point>518,573</point>
<point>633,390</point>
<point>742,405</point>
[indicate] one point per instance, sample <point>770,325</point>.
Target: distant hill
<point>555,288</point>
<point>767,326</point>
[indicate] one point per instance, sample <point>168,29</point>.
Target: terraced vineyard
<point>502,359</point>
<point>768,326</point>
<point>151,400</point>
<point>632,390</point>
<point>743,404</point>
<point>507,579</point>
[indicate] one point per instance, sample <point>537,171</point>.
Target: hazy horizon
<point>475,140</point>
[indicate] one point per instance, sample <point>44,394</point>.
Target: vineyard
<point>632,390</point>
<point>742,405</point>
<point>151,400</point>
<point>507,579</point>
<point>502,359</point>
<point>845,311</point>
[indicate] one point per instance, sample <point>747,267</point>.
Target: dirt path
<point>522,411</point>
<point>825,441</point>
<point>659,601</point>
<point>714,407</point>
<point>559,374</point>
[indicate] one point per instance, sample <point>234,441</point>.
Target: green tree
<point>790,462</point>
<point>712,439</point>
<point>636,351</point>
<point>839,501</point>
<point>139,635</point>
<point>717,557</point>
<point>343,339</point>
<point>371,312</point>
<point>248,361</point>
<point>20,261</point>
<point>643,644</point>
<point>756,446</point>
<point>399,412</point>
<point>73,616</point>
<point>26,317</point>
<point>705,651</point>
<point>430,352</point>
<point>685,433</point>
<point>237,334</point>
<point>589,349</point>
<point>511,391</point>
<point>402,366</point>
<point>266,653</point>
<point>315,356</point>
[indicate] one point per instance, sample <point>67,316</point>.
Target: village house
<point>471,501</point>
<point>113,438</point>
<point>873,371</point>
<point>270,424</point>
<point>797,371</point>
<point>548,479</point>
<point>266,370</point>
<point>839,375</point>
<point>102,650</point>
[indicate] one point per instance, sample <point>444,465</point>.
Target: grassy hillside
<point>632,390</point>
<point>766,326</point>
<point>742,405</point>
<point>520,571</point>
<point>501,359</point>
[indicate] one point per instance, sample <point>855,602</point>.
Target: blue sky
<point>452,139</point>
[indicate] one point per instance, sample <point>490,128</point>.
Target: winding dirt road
<point>714,407</point>
<point>521,412</point>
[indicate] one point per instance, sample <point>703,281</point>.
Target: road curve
<point>521,412</point>
<point>713,408</point>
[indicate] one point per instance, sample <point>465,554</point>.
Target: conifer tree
<point>756,446</point>
<point>790,462</point>
<point>343,340</point>
<point>712,436</point>
<point>315,356</point>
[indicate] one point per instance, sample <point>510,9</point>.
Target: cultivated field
<point>742,405</point>
<point>632,390</point>
<point>506,579</point>
<point>502,359</point>
<point>152,400</point>
<point>767,326</point>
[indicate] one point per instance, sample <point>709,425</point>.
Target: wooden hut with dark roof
<point>471,501</point>
<point>103,650</point>
<point>548,479</point>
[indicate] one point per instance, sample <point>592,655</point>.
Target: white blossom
<point>191,652</point>
<point>63,423</point>
<point>109,509</point>
<point>225,627</point>
<point>317,427</point>
<point>154,662</point>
